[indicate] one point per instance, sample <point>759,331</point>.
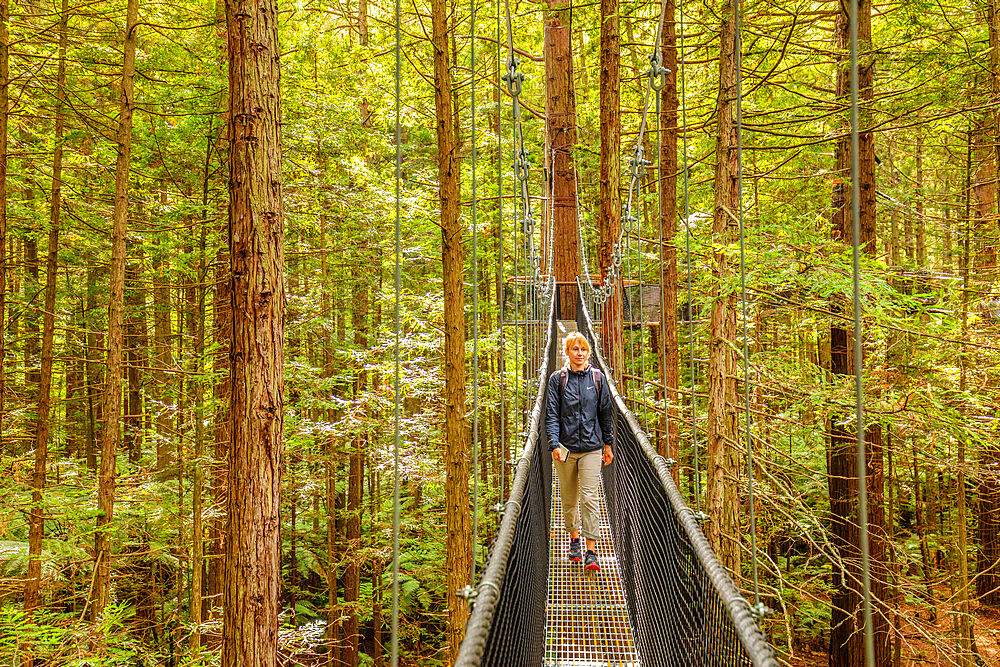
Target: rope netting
<point>684,608</point>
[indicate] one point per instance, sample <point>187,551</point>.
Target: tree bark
<point>721,495</point>
<point>36,530</point>
<point>256,251</point>
<point>113,386</point>
<point>456,442</point>
<point>560,113</point>
<point>667,174</point>
<point>609,214</point>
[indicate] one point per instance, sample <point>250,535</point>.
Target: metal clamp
<point>657,73</point>
<point>698,516</point>
<point>513,78</point>
<point>491,585</point>
<point>759,610</point>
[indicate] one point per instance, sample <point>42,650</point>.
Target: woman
<point>579,423</point>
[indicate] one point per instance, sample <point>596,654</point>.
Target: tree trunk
<point>560,113</point>
<point>456,443</point>
<point>113,387</point>
<point>846,621</point>
<point>668,352</point>
<point>36,531</point>
<point>721,496</point>
<point>609,215</point>
<point>256,251</point>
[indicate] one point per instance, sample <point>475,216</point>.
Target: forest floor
<point>919,625</point>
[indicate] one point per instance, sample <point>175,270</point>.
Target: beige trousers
<point>579,484</point>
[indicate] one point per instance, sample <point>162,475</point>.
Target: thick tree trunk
<point>609,194</point>
<point>256,250</point>
<point>846,622</point>
<point>721,496</point>
<point>113,387</point>
<point>667,174</point>
<point>36,530</point>
<point>456,439</point>
<point>560,113</point>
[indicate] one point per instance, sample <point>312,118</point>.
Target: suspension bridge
<point>663,598</point>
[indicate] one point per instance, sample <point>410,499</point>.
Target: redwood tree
<point>256,253</point>
<point>560,114</point>
<point>721,496</point>
<point>609,216</point>
<point>456,438</point>
<point>667,174</point>
<point>113,387</point>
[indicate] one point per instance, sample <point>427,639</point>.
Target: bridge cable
<point>758,608</point>
<point>862,459</point>
<point>395,443</point>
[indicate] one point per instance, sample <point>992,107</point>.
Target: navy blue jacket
<point>583,423</point>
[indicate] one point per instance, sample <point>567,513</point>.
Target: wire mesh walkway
<point>684,607</point>
<point>586,620</point>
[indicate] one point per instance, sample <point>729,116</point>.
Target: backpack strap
<point>597,377</point>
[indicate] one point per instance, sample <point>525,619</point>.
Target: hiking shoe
<point>591,563</point>
<point>574,551</point>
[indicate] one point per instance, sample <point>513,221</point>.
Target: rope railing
<point>506,624</point>
<point>684,606</point>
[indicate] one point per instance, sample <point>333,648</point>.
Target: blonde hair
<point>573,338</point>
